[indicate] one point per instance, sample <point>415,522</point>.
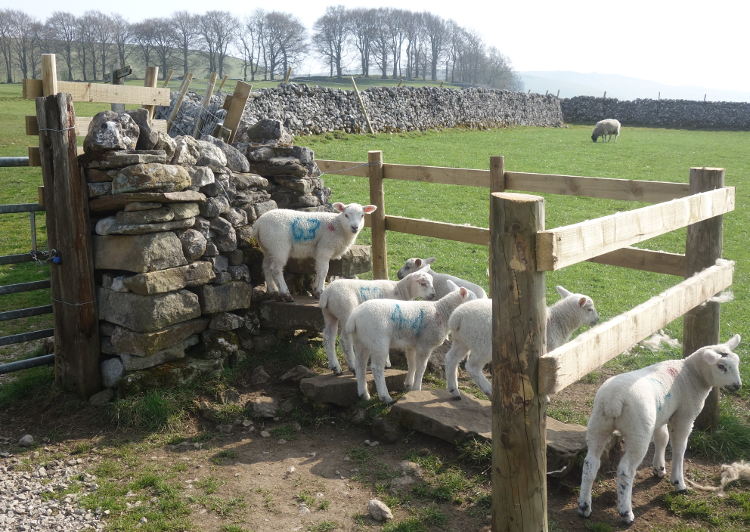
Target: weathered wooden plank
<point>644,260</point>
<point>101,93</point>
<point>585,353</point>
<point>377,218</point>
<point>69,232</point>
<point>519,329</point>
<point>571,244</point>
<point>438,174</point>
<point>236,108</point>
<point>34,159</point>
<point>82,125</point>
<point>446,231</point>
<point>596,187</point>
<point>357,169</point>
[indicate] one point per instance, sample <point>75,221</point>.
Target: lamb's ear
<point>710,356</point>
<point>563,293</point>
<point>369,208</point>
<point>430,260</point>
<point>339,207</point>
<point>582,302</point>
<point>418,263</point>
<point>733,342</point>
<point>463,291</point>
<point>452,287</point>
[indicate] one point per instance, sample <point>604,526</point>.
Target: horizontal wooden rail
<point>100,92</point>
<point>445,231</point>
<point>645,260</point>
<point>587,352</point>
<point>597,187</point>
<point>437,174</point>
<point>34,159</point>
<point>20,207</point>
<point>342,167</point>
<point>82,125</point>
<point>571,244</point>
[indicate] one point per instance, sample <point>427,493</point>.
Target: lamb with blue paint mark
<point>418,327</point>
<point>660,402</point>
<point>284,233</point>
<point>471,330</point>
<point>440,280</point>
<point>342,296</point>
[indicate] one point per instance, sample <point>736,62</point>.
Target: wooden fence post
<point>519,328</point>
<point>206,103</point>
<point>236,108</point>
<point>377,218</point>
<point>701,326</point>
<point>49,74</point>
<point>223,81</point>
<point>177,104</point>
<point>362,106</point>
<point>497,184</point>
<point>150,80</point>
<point>69,235</point>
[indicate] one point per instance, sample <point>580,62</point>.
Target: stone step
<point>356,260</point>
<point>342,389</point>
<point>302,314</point>
<point>436,413</point>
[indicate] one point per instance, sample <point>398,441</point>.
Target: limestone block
<point>164,214</point>
<point>151,177</point>
<point>111,131</point>
<point>224,298</point>
<point>167,144</point>
<point>356,260</point>
<point>138,253</point>
<point>99,189</point>
<point>122,158</point>
<point>109,226</point>
<point>141,206</point>
<point>177,373</point>
<point>211,156</point>
<point>171,279</point>
<point>147,313</point>
<point>131,342</point>
<point>236,161</point>
<point>193,243</point>
<point>186,151</point>
<point>147,137</point>
<point>246,180</point>
<point>111,372</point>
<point>268,129</point>
<point>225,321</point>
<point>170,354</point>
<point>279,166</point>
<point>219,344</point>
<point>183,211</point>
<point>200,176</point>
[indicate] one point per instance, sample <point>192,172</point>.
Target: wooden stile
<point>377,218</point>
<point>568,245</point>
<point>68,232</point>
<point>237,107</point>
<point>101,93</point>
<point>519,324</point>
<point>150,80</point>
<point>82,125</point>
<point>588,351</point>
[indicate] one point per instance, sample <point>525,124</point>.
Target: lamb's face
<point>589,316</point>
<point>414,265</point>
<point>353,215</point>
<point>724,364</point>
<point>423,283</point>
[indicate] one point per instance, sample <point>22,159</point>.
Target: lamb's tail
<point>323,301</point>
<point>613,406</point>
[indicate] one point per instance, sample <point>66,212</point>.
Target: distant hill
<point>622,87</point>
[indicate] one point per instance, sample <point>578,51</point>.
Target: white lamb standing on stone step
<point>341,297</point>
<point>418,327</point>
<point>284,233</point>
<point>471,330</point>
<point>440,280</point>
<point>605,128</point>
<point>660,402</point>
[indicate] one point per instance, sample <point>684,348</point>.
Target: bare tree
<point>144,38</point>
<point>287,37</point>
<point>413,27</point>
<point>361,25</point>
<point>255,24</point>
<point>61,26</point>
<point>331,36</point>
<point>122,35</point>
<point>381,42</point>
<point>397,32</point>
<point>219,30</point>
<point>38,44</point>
<point>187,34</point>
<point>436,31</point>
<point>22,30</point>
<point>101,30</point>
<point>165,41</point>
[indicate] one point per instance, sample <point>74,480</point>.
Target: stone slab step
<point>436,413</point>
<point>302,314</point>
<point>356,260</point>
<point>342,389</point>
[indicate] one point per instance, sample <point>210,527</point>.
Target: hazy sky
<point>678,43</point>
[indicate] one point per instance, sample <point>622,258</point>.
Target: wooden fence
<point>522,250</point>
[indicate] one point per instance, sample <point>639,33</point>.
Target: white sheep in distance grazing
<point>341,297</point>
<point>438,279</point>
<point>284,233</point>
<point>418,327</point>
<point>610,127</point>
<point>659,401</point>
<point>471,330</point>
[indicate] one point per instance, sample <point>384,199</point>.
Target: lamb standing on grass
<point>440,280</point>
<point>471,330</point>
<point>284,233</point>
<point>610,127</point>
<point>418,327</point>
<point>641,403</point>
<point>342,296</point>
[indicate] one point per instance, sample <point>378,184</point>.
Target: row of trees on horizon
<point>372,42</point>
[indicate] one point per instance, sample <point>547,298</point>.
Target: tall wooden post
<point>178,103</point>
<point>152,75</point>
<point>69,238</point>
<point>497,184</point>
<point>206,103</point>
<point>519,329</point>
<point>49,74</point>
<point>377,218</point>
<point>362,106</point>
<point>237,107</point>
<point>701,325</point>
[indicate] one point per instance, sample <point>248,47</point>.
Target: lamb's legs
<point>321,271</point>
<point>421,359</point>
<point>474,365</point>
<point>411,364</point>
<point>679,433</point>
<point>268,274</point>
<point>453,358</point>
<point>361,356</point>
<point>661,437</point>
<point>345,341</point>
<point>595,442</point>
<point>636,448</point>
<point>277,273</point>
<point>329,340</point>
<point>378,374</point>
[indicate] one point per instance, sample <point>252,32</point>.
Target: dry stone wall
<point>173,251</point>
<point>658,113</point>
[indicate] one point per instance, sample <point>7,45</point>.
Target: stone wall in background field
<point>658,113</point>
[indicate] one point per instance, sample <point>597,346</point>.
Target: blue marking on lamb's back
<point>416,324</point>
<point>370,292</point>
<point>305,229</point>
<point>661,397</point>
